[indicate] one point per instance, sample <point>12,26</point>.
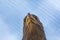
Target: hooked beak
<point>28,19</point>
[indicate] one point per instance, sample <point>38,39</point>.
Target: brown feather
<point>33,28</point>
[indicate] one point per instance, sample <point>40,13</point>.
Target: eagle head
<point>33,29</point>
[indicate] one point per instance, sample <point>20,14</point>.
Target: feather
<point>33,28</point>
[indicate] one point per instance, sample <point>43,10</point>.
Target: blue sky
<point>12,13</point>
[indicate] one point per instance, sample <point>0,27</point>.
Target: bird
<point>33,28</point>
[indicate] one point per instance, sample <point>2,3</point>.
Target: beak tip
<point>28,13</point>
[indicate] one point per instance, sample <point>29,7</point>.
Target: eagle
<point>33,28</point>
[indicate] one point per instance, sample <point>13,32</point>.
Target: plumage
<point>33,28</point>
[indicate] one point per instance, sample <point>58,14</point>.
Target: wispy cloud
<point>55,4</point>
<point>5,33</point>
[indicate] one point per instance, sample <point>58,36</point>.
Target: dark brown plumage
<point>33,29</point>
